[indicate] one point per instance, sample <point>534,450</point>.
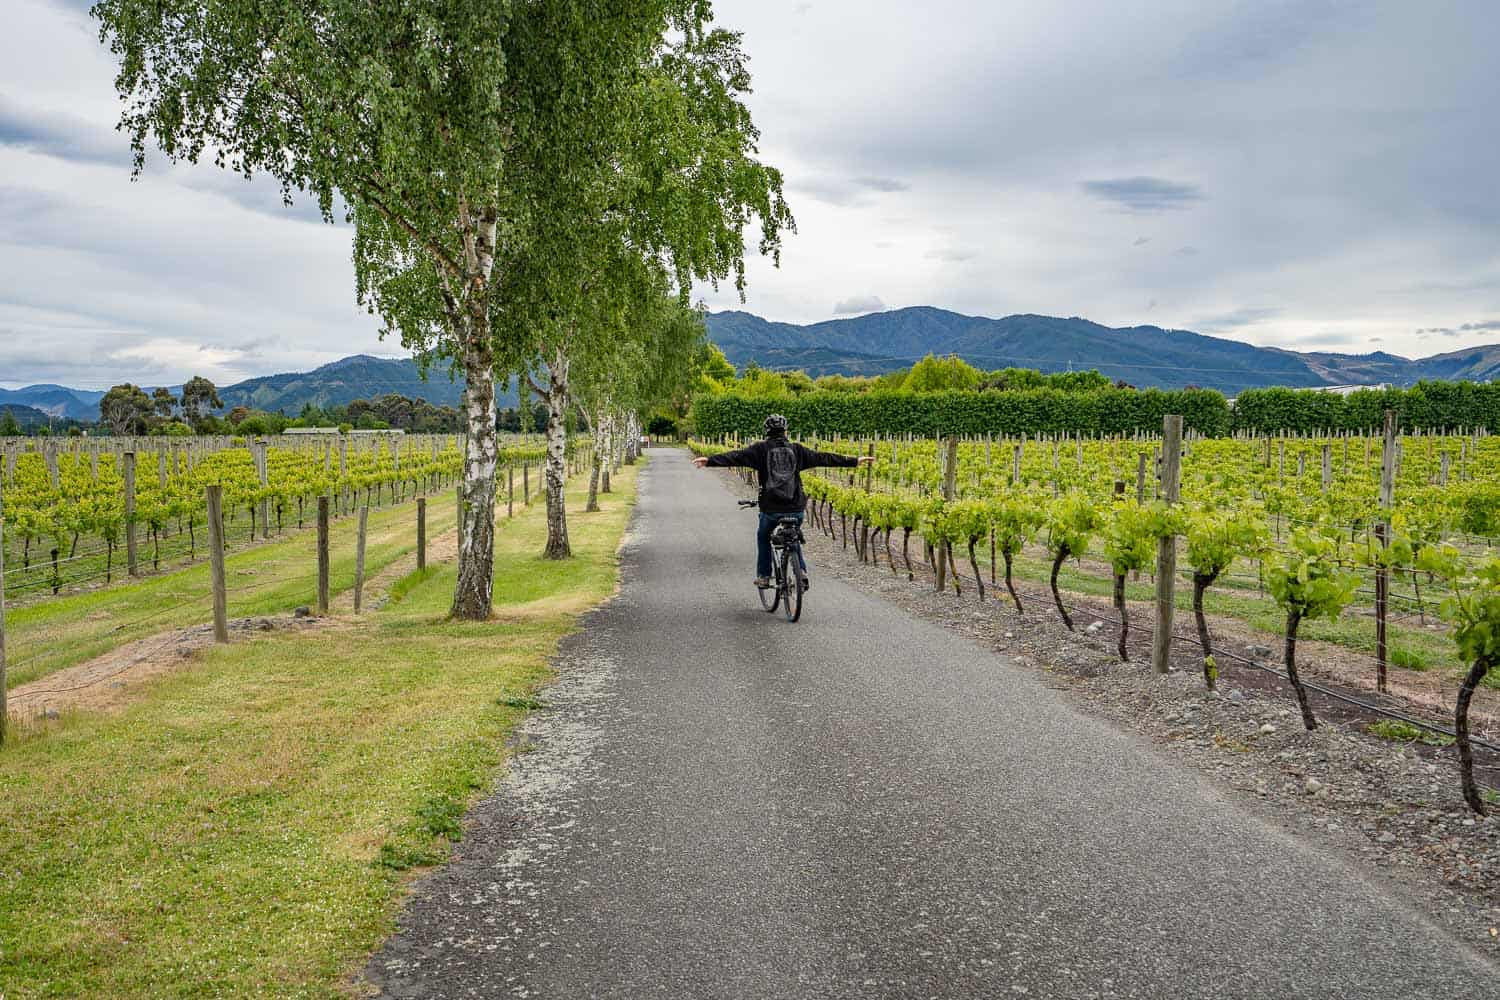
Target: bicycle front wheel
<point>770,596</point>
<point>792,577</point>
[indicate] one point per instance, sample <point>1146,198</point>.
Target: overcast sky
<point>1315,174</point>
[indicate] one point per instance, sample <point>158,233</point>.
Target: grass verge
<point>246,828</point>
<point>269,578</point>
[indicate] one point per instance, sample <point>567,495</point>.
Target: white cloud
<point>858,305</point>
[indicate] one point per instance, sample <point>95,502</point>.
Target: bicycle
<point>789,581</point>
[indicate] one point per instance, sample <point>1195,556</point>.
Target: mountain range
<point>336,384</point>
<point>1141,355</point>
<point>870,345</point>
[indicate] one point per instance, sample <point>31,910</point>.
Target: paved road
<point>864,805</point>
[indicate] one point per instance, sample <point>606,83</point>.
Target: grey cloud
<point>1145,194</point>
<point>951,255</point>
<point>1141,241</point>
<point>1236,319</point>
<point>858,304</point>
<point>1489,324</point>
<point>1186,252</point>
<point>845,191</point>
<point>885,184</point>
<point>60,135</point>
<point>66,137</point>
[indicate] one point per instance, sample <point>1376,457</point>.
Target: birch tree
<point>427,126</point>
<point>675,188</point>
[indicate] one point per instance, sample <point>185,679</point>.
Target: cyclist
<point>778,463</point>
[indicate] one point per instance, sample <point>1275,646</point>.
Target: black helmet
<point>775,424</point>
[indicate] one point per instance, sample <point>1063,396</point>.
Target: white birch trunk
<point>557,462</point>
<point>473,597</point>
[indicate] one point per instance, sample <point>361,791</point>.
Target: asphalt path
<point>721,804</point>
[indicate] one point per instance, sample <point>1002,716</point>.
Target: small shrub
<point>1405,732</point>
<point>1409,659</point>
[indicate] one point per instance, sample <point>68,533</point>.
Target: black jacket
<point>753,456</point>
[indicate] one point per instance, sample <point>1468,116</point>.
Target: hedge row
<point>932,414</point>
<point>1425,406</point>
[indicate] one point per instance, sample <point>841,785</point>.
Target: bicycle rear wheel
<point>769,596</point>
<point>791,578</point>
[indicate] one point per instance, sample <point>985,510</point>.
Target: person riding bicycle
<point>778,463</point>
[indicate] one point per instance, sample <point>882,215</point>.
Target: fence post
<point>1166,548</point>
<point>459,497</point>
<point>4,709</point>
<point>950,474</point>
<point>1382,533</point>
<point>421,533</point>
<point>215,494</point>
<point>323,502</point>
<point>359,560</point>
<point>263,472</point>
<point>130,548</point>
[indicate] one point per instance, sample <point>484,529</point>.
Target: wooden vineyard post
<point>1166,548</point>
<point>510,487</point>
<point>1327,467</point>
<point>1140,478</point>
<point>323,503</point>
<point>264,474</point>
<point>130,550</point>
<point>1015,466</point>
<point>950,475</point>
<point>1382,533</point>
<point>421,533</point>
<point>4,709</point>
<point>216,561</point>
<point>359,559</point>
<point>343,471</point>
<point>870,469</point>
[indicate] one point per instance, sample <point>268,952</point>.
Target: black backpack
<point>781,475</point>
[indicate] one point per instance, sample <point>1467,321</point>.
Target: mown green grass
<point>271,578</point>
<point>246,828</point>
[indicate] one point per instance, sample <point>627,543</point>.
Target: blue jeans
<point>768,523</point>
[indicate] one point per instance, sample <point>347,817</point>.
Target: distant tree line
<point>931,374</point>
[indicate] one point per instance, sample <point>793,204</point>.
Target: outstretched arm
<point>726,459</point>
<point>816,459</point>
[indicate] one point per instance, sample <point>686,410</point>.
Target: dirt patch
<point>1392,808</point>
<point>440,548</point>
<point>116,678</point>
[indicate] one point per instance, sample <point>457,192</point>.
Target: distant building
<point>1344,390</point>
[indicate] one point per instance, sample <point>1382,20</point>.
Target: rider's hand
<point>867,460</point>
<point>700,461</point>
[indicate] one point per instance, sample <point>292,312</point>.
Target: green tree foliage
<point>932,374</point>
<point>455,133</point>
<point>199,400</point>
<point>126,409</point>
<point>9,426</point>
